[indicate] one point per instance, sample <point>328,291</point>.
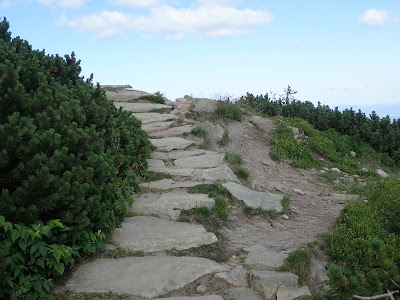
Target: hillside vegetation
<point>68,163</point>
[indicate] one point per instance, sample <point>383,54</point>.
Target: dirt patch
<point>311,213</point>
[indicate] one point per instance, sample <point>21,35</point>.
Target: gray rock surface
<point>120,94</point>
<point>236,277</point>
<point>201,289</point>
<point>155,163</point>
<point>318,272</point>
<point>244,294</point>
<point>173,131</point>
<point>177,154</point>
<point>215,131</point>
<point>150,234</point>
<point>157,126</point>
<point>147,277</point>
<point>204,105</point>
<point>154,117</point>
<point>381,173</point>
<point>170,205</point>
<point>141,107</point>
<point>171,143</point>
<point>168,184</point>
<point>222,172</point>
<point>201,161</point>
<point>265,260</point>
<point>291,293</point>
<point>211,297</point>
<point>254,199</point>
<point>268,282</point>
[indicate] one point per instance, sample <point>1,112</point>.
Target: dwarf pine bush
<point>66,154</point>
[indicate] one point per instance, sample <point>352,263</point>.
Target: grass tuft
<point>233,158</point>
<point>298,262</point>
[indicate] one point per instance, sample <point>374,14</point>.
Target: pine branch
<point>386,295</point>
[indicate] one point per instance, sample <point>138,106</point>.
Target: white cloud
<point>174,23</point>
<point>374,17</point>
<point>64,3</point>
<point>136,3</point>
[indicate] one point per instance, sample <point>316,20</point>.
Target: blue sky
<point>336,52</point>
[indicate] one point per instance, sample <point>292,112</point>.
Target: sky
<point>341,53</point>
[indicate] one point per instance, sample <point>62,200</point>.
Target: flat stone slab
<point>168,184</point>
<point>286,293</point>
<point>236,277</point>
<point>211,297</point>
<point>171,143</point>
<point>177,154</point>
<point>222,172</point>
<point>201,161</point>
<point>155,163</point>
<point>154,117</point>
<point>157,126</point>
<point>150,234</point>
<point>124,95</point>
<point>170,205</point>
<point>264,260</point>
<point>254,199</point>
<point>173,131</point>
<point>268,282</point>
<point>141,107</point>
<point>244,294</point>
<point>146,277</point>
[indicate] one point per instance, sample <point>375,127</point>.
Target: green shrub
<point>241,173</point>
<point>201,132</point>
<point>67,152</point>
<point>298,262</point>
<point>364,243</point>
<point>233,158</point>
<point>229,110</point>
<point>153,98</point>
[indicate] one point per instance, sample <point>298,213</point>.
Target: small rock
<point>236,277</point>
<point>322,171</point>
<point>381,173</point>
<point>244,294</point>
<point>325,169</point>
<point>318,271</point>
<point>110,247</point>
<point>365,170</point>
<point>362,184</point>
<point>268,282</point>
<point>356,176</point>
<point>265,260</point>
<point>298,191</point>
<point>352,153</point>
<point>337,170</point>
<point>285,217</point>
<point>201,289</point>
<point>285,293</point>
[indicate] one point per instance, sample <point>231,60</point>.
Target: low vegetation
<point>233,158</point>
<point>201,132</point>
<point>229,110</point>
<point>298,262</point>
<point>153,98</point>
<point>241,173</point>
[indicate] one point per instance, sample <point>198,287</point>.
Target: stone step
<point>254,199</point>
<point>150,234</point>
<point>154,117</point>
<point>177,154</point>
<point>221,173</point>
<point>171,143</point>
<point>169,184</point>
<point>173,131</point>
<point>146,277</point>
<point>210,297</point>
<point>268,282</point>
<point>142,107</point>
<point>200,162</point>
<point>265,260</point>
<point>120,94</point>
<point>286,293</point>
<point>157,126</point>
<point>169,205</point>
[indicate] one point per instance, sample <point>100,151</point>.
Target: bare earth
<point>311,213</point>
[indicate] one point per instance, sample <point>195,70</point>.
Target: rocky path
<point>155,230</point>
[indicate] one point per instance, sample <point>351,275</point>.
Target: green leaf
<point>59,267</point>
<point>19,257</point>
<point>33,248</point>
<point>15,234</point>
<point>43,250</point>
<point>55,223</point>
<point>46,230</point>
<point>57,254</point>
<point>22,245</point>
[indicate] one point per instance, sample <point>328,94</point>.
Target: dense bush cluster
<point>365,243</point>
<point>68,162</point>
<point>382,134</point>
